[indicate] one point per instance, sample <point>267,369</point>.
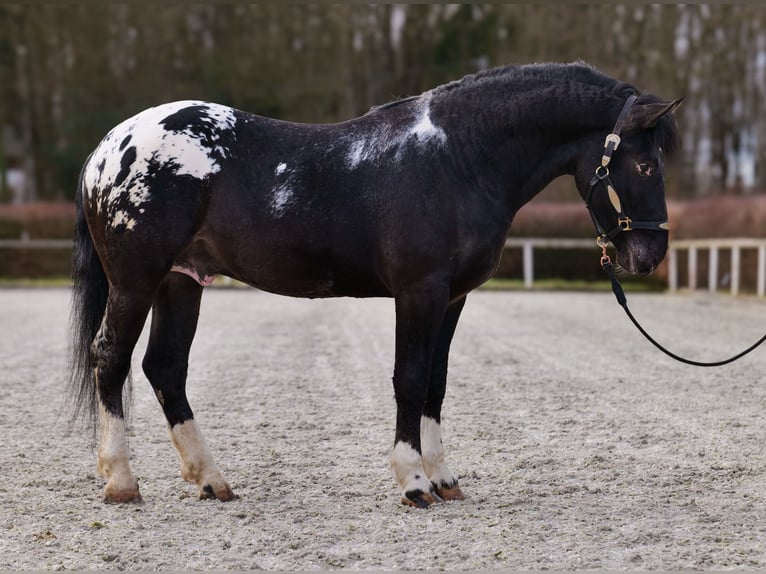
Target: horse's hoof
<point>452,493</point>
<point>420,499</point>
<point>222,492</point>
<point>449,491</point>
<point>130,495</point>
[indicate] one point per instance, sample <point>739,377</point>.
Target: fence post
<point>761,288</point>
<point>692,267</point>
<point>712,272</point>
<point>529,264</point>
<point>735,265</point>
<point>673,269</point>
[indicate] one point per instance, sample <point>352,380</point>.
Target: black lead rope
<point>619,293</point>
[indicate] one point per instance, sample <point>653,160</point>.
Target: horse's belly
<point>312,286</point>
<point>286,273</point>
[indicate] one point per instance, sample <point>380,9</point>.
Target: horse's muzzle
<point>641,252</point>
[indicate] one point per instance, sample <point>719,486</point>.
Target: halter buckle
<point>602,242</point>
<point>625,223</point>
<point>611,143</point>
<point>614,138</point>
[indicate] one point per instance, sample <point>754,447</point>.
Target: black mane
<point>580,76</point>
<point>536,75</point>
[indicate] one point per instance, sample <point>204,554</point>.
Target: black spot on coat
<point>127,160</point>
<point>125,142</point>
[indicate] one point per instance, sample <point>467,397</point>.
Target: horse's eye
<point>644,168</point>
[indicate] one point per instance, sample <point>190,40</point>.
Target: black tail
<point>89,295</point>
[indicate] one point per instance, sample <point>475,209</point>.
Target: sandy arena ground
<point>578,445</point>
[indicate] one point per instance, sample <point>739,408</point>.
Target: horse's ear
<point>646,116</point>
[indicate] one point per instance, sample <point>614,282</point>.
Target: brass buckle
<point>624,223</point>
<point>602,243</point>
<point>612,138</point>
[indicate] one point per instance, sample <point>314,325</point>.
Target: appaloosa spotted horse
<point>413,201</point>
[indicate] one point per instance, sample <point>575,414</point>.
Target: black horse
<point>413,201</point>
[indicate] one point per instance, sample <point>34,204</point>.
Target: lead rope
<point>619,293</point>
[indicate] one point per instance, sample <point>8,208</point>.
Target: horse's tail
<point>89,294</point>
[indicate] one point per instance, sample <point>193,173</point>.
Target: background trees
<point>68,73</point>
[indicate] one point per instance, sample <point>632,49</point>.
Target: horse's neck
<point>530,138</point>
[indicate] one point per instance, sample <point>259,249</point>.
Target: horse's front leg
<point>444,482</point>
<point>419,315</point>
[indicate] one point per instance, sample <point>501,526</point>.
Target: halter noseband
<point>624,223</point>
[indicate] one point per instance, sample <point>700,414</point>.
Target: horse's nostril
<point>636,265</point>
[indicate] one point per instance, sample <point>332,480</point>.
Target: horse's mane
<point>538,76</point>
<point>533,75</point>
<point>577,73</point>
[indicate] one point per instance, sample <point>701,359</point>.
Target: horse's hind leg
<point>112,348</point>
<point>174,322</point>
<point>444,482</point>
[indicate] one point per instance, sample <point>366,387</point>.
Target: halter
<point>624,223</point>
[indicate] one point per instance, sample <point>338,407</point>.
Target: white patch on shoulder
<point>122,159</point>
<point>283,192</point>
<point>386,137</point>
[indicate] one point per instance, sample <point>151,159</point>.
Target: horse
<point>412,200</point>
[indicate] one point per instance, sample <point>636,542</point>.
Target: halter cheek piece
<point>624,223</point>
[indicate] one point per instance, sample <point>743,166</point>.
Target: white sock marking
<point>198,466</point>
<point>113,452</point>
<point>408,468</point>
<point>433,453</point>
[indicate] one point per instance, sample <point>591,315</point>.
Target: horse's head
<point>622,181</point>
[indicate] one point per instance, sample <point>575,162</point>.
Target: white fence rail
<point>693,246</point>
<point>529,244</point>
<point>713,247</point>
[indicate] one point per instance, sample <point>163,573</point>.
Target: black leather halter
<point>601,176</point>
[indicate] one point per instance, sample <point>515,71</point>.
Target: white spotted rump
<point>116,175</point>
